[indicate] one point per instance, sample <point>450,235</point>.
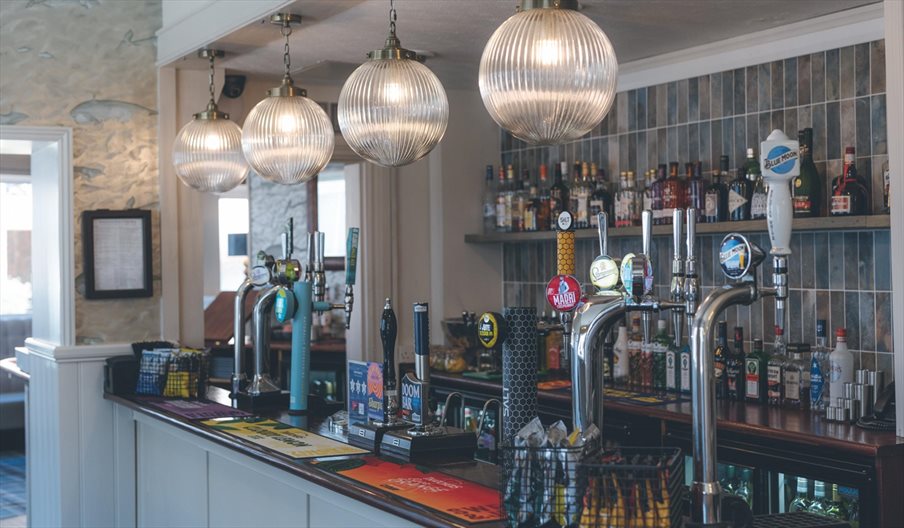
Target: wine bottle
<point>716,201</point>
<point>807,188</point>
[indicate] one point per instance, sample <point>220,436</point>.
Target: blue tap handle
<point>351,256</point>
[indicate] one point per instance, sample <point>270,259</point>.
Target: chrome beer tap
<point>676,288</point>
<point>258,277</point>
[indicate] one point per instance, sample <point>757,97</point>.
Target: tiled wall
<point>843,277</point>
<point>89,65</point>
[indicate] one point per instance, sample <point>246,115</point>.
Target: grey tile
<point>878,124</point>
<point>832,73</point>
<point>683,151</point>
<point>778,84</point>
<point>803,80</point>
<point>794,264</point>
<point>728,138</point>
<point>651,107</point>
<point>886,363</point>
<point>652,149</point>
<point>764,87</point>
<point>778,119</point>
<point>848,124</point>
<point>791,82</point>
<point>740,135</point>
<point>836,312</point>
<point>883,322</point>
<point>818,77</point>
<point>663,142</point>
<point>756,322</point>
<point>852,319</point>
<point>640,160</point>
<point>705,146</point>
<point>682,100</point>
<point>641,109</point>
<point>807,261</point>
<point>672,103</point>
<point>804,117</point>
<point>613,157</point>
<point>662,105</point>
<point>764,124</point>
<point>879,163</point>
<point>751,89</point>
<point>753,136</point>
<point>632,152</point>
<point>693,142</point>
<point>867,359</point>
<point>693,99</point>
<point>612,118</point>
<point>865,258</point>
<point>867,321</point>
<point>632,110</point>
<point>704,90</point>
<point>833,131</point>
<point>623,160</point>
<point>715,95</point>
<point>836,263</point>
<point>861,69</point>
<point>877,66</point>
<point>808,315</point>
<point>821,261</point>
<point>768,330</point>
<point>727,93</point>
<point>621,107</point>
<point>740,92</point>
<point>819,132</point>
<point>795,319</point>
<point>673,143</point>
<point>791,126</point>
<point>882,259</point>
<point>862,133</point>
<point>851,261</point>
<point>846,72</point>
<point>716,141</point>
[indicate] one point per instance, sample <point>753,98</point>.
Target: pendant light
<point>548,74</point>
<point>392,109</point>
<point>207,154</point>
<point>287,138</point>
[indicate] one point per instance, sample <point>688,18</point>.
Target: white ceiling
<point>335,34</point>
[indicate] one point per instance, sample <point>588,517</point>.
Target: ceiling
<point>335,34</point>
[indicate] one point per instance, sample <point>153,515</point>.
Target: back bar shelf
<point>824,223</point>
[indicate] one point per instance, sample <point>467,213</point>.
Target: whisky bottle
<point>672,194</point>
<point>721,355</point>
<point>806,189</point>
<point>796,377</point>
<point>716,201</point>
<point>623,199</point>
<point>775,369</point>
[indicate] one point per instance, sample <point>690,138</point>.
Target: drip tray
<point>797,520</point>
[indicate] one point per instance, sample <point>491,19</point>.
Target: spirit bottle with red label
<point>672,194</point>
<point>849,195</point>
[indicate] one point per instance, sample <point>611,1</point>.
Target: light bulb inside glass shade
<point>207,155</point>
<point>392,112</point>
<point>288,139</point>
<point>548,75</point>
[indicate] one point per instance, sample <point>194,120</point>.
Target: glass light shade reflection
<point>207,155</point>
<point>548,76</point>
<point>393,112</point>
<point>287,139</point>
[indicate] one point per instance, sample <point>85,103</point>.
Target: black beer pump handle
<point>421,330</point>
<point>388,331</point>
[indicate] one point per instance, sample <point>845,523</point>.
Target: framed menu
<point>117,254</point>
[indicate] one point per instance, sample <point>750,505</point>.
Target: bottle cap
<point>779,331</point>
<point>750,153</point>
<point>840,332</point>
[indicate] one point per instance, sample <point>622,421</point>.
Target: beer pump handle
<point>421,340</point>
<point>603,224</point>
<point>351,256</point>
<point>677,226</point>
<point>565,244</point>
<point>388,332</point>
<point>646,226</point>
<point>691,234</point>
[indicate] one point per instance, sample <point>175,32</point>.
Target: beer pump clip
<point>426,441</point>
<point>491,334</point>
<point>369,434</point>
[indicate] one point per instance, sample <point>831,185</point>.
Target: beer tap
<point>676,288</point>
<point>258,277</point>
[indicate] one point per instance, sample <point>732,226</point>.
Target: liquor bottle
<point>672,194</point>
<point>684,361</point>
<point>575,191</point>
<point>627,202</point>
<point>621,201</point>
<point>796,377</point>
<point>739,191</point>
<point>819,363</point>
<point>512,219</point>
<point>755,374</point>
<point>807,189</point>
<point>530,208</point>
<point>542,204</point>
<point>637,205</point>
<point>800,502</point>
<point>849,195</point>
<point>672,369</point>
<point>581,197</point>
<point>519,201</point>
<point>635,355</point>
<point>734,368</point>
<point>489,202</point>
<point>600,200</point>
<point>503,216</point>
<point>758,196</point>
<point>716,200</point>
<point>775,369</point>
<point>558,197</point>
<point>721,355</point>
<point>648,190</point>
<point>836,508</point>
<point>657,190</point>
<point>660,345</point>
<point>818,505</point>
<point>841,365</point>
<point>696,190</point>
<point>620,361</point>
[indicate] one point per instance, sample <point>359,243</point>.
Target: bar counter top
<point>778,424</point>
<point>479,472</point>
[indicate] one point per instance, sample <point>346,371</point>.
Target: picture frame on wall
<point>117,254</point>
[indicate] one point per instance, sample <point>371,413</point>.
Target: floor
<point>12,489</point>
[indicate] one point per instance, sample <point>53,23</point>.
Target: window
<point>15,233</point>
<point>326,212</point>
<point>233,234</point>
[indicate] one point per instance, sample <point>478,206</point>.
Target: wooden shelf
<point>826,223</point>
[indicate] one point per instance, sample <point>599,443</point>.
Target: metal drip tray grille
<point>797,520</point>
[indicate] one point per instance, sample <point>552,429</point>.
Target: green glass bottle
<point>806,189</point>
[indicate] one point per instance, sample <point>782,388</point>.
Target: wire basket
<point>187,374</point>
<point>568,487</point>
<point>632,488</point>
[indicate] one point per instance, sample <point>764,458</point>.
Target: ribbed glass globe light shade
<point>548,75</point>
<point>287,139</point>
<point>393,111</point>
<point>207,155</point>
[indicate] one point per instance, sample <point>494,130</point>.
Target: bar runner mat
<point>284,439</point>
<point>646,399</point>
<point>194,409</point>
<point>462,499</point>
